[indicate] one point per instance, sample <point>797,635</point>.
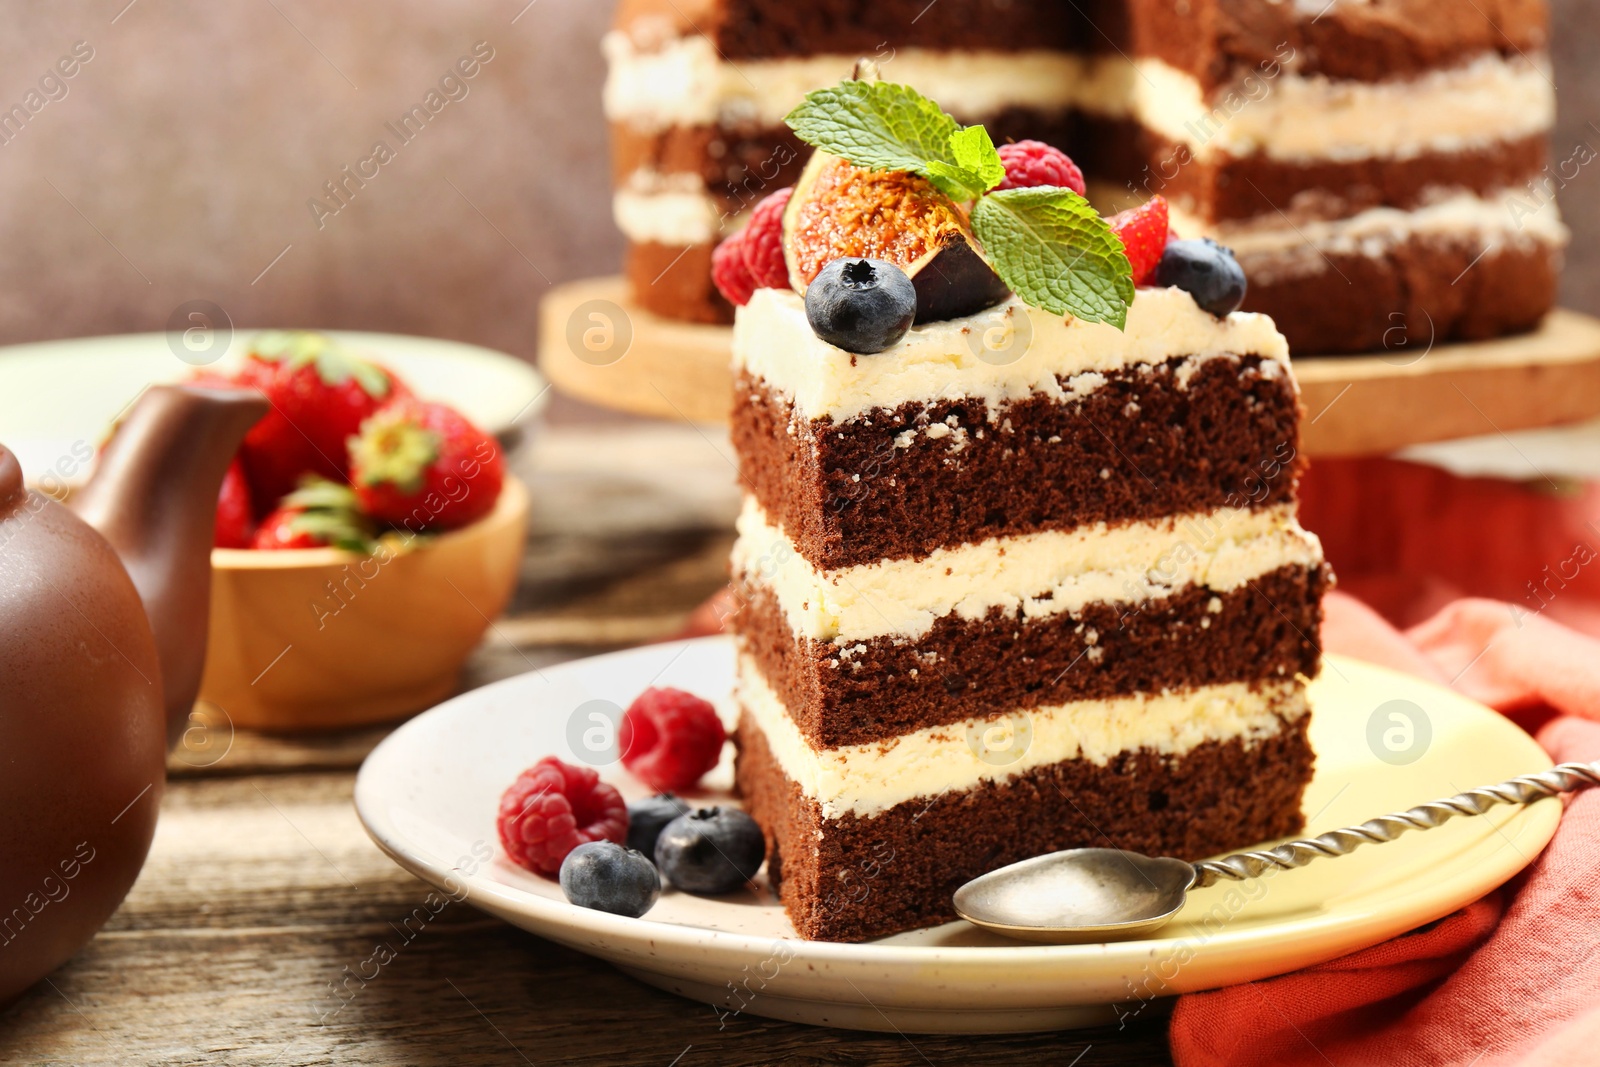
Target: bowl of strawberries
<point>366,537</point>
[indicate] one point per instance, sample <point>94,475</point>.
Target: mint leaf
<point>883,126</point>
<point>957,183</point>
<point>1055,252</point>
<point>975,152</point>
<point>877,125</point>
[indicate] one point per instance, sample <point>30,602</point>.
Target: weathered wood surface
<point>255,933</point>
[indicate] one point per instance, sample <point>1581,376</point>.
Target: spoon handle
<point>1566,778</point>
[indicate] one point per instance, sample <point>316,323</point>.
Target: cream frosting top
<point>1007,352</point>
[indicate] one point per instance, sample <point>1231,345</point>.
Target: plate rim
<point>619,933</point>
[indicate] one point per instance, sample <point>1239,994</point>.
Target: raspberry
<point>1143,231</point>
<point>728,271</point>
<point>554,807</point>
<point>763,242</point>
<point>1030,163</point>
<point>670,738</point>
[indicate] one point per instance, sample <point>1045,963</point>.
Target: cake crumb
<point>1214,605</point>
<point>1186,370</point>
<point>1105,473</point>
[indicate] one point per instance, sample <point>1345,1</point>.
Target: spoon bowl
<point>1081,895</point>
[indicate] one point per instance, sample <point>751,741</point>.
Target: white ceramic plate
<point>428,793</point>
<point>57,395</point>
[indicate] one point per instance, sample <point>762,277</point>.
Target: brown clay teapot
<point>102,638</point>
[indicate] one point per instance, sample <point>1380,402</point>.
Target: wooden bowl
<point>319,638</point>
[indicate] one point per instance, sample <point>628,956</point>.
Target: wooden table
<point>267,929</point>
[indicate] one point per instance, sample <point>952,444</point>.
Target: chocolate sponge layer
<point>883,687</point>
<point>1141,446</point>
<point>855,878</point>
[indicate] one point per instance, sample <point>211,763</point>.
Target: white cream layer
<point>683,81</point>
<point>1445,213</point>
<point>1297,117</point>
<point>670,209</point>
<point>1277,246</point>
<point>1038,575</point>
<point>869,779</point>
<point>1009,352</point>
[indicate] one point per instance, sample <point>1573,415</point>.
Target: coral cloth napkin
<point>1513,979</point>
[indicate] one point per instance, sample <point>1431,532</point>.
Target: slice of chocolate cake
<point>1019,581</point>
<point>1379,168</point>
<point>991,611</point>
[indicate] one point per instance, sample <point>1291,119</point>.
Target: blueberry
<point>861,305</point>
<point>646,818</point>
<point>607,877</point>
<point>1206,271</point>
<point>713,850</point>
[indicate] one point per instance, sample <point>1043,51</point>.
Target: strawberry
<point>320,393</point>
<point>1143,231</point>
<point>319,514</point>
<point>235,516</point>
<point>424,467</point>
<point>762,242</point>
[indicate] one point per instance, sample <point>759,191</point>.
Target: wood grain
<point>263,929</point>
<point>266,929</point>
<point>1356,405</point>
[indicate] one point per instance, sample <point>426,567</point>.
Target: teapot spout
<point>153,496</point>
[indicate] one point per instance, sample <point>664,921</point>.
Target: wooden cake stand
<point>596,345</point>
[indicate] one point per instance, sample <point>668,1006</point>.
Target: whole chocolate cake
<point>1376,166</point>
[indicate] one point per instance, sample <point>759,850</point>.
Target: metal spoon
<point>1106,894</point>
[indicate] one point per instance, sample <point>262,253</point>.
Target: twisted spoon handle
<point>1566,778</point>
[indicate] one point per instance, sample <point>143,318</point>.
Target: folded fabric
<point>1513,979</point>
<point>1410,538</point>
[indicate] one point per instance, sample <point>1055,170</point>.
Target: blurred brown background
<point>179,163</point>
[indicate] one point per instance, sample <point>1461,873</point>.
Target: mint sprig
<point>1047,244</point>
